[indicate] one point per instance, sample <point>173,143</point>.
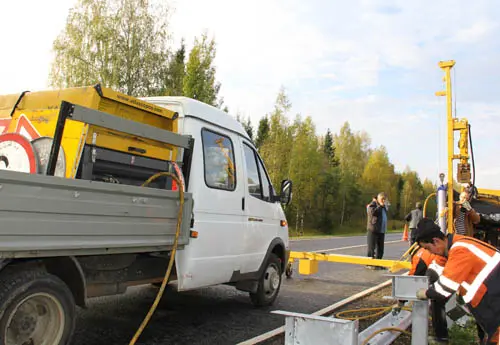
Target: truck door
<point>263,217</point>
<point>215,181</point>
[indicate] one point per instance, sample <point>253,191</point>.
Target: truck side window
<point>254,187</point>
<point>218,155</point>
<point>265,182</point>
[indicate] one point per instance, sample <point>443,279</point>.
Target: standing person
<point>413,218</point>
<point>377,226</point>
<point>374,199</point>
<point>465,215</point>
<point>472,270</point>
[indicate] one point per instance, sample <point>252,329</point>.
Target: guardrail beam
<point>303,329</point>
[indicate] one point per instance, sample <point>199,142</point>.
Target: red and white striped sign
<point>25,128</point>
<point>4,124</point>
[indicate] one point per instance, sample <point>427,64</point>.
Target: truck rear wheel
<point>269,283</point>
<point>35,308</point>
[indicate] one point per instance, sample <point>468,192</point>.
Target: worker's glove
<point>421,294</point>
<point>466,205</point>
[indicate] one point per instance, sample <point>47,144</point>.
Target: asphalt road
<point>223,315</point>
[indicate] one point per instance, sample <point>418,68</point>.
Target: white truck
<point>75,222</point>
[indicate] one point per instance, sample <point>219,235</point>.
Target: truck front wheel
<point>269,283</point>
<point>35,308</point>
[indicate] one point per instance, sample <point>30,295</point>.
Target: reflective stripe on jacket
<point>473,270</point>
<point>469,264</point>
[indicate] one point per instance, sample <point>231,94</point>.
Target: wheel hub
<point>38,319</point>
<point>24,325</point>
<point>271,280</point>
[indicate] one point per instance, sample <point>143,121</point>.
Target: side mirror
<point>286,192</point>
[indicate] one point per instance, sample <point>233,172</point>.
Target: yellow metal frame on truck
<point>308,262</point>
<point>40,111</point>
<point>463,167</point>
<point>489,192</point>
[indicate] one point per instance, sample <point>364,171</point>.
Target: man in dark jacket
<point>413,218</point>
<point>377,226</point>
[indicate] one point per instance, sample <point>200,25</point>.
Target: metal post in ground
<point>419,322</point>
<point>405,288</point>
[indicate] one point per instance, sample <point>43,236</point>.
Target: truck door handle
<point>243,203</point>
<point>252,219</point>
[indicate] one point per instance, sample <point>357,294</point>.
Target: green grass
<point>464,335</point>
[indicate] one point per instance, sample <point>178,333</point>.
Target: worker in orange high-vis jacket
<point>472,270</point>
<point>425,263</point>
<point>423,260</point>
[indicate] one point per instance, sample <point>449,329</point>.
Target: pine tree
<point>248,128</point>
<point>262,132</point>
<point>176,73</point>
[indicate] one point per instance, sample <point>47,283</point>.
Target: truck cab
<point>242,233</point>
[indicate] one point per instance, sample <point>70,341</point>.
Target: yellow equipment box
<point>35,115</point>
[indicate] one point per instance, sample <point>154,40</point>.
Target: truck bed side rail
<point>49,216</point>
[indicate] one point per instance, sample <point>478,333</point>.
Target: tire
<point>269,283</point>
<point>35,308</point>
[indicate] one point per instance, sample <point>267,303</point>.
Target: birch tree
<point>121,44</point>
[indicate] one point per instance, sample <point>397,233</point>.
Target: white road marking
<point>332,237</point>
<point>349,247</point>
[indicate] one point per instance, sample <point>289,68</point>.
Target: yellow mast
<point>454,124</point>
<point>447,66</point>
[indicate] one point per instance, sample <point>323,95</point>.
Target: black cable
<point>17,102</point>
<point>472,157</point>
<point>455,89</point>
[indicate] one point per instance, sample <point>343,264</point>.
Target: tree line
<point>125,45</point>
<point>335,175</point>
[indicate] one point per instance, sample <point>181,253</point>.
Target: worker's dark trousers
<point>480,333</point>
<point>375,244</point>
<point>412,236</point>
<point>439,323</point>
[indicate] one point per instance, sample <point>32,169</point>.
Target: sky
<point>371,63</point>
